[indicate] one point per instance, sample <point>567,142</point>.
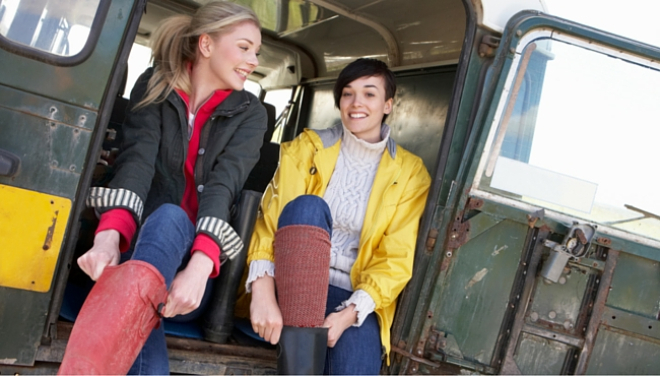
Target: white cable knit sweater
<point>347,196</point>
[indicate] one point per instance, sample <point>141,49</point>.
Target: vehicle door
<point>58,80</point>
<point>544,252</point>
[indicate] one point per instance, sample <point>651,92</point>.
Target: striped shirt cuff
<point>110,198</point>
<point>223,233</point>
<point>259,268</point>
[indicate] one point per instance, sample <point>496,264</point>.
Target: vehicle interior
<point>305,45</point>
<point>535,134</point>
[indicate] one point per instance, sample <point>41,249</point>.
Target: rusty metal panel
<point>477,289</point>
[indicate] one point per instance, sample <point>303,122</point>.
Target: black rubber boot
<point>301,351</point>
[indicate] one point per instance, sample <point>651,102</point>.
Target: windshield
<point>579,136</point>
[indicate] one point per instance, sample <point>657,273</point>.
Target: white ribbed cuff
<point>364,305</point>
<point>259,268</point>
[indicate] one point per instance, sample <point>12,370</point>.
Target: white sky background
<point>635,19</point>
<point>599,118</point>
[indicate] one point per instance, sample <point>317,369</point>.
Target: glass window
<point>252,87</point>
<point>579,136</point>
<point>138,61</point>
<point>58,27</point>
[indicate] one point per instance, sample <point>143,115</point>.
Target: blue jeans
<point>358,351</point>
<point>164,241</point>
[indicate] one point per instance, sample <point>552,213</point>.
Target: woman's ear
<point>205,45</point>
<point>388,106</point>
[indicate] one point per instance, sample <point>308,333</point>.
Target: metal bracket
<point>575,244</point>
<point>488,45</point>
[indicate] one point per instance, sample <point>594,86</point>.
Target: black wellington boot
<point>301,351</point>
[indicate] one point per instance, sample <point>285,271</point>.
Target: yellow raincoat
<point>387,242</point>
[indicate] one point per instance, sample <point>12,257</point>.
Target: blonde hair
<point>175,41</point>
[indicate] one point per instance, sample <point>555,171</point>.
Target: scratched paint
<point>477,278</point>
<point>496,251</point>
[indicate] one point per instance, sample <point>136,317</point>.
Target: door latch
<point>575,244</point>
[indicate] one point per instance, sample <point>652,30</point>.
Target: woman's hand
<point>337,322</point>
<point>188,286</point>
<point>105,252</point>
<point>264,312</point>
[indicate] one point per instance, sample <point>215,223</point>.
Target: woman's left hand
<point>337,322</point>
<point>188,286</point>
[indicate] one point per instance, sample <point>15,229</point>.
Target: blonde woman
<point>191,136</point>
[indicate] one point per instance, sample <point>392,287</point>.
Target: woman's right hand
<point>264,312</point>
<point>105,252</point>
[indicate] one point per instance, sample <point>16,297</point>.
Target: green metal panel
<point>558,304</point>
<point>617,353</point>
<point>477,289</point>
<point>50,137</point>
<point>635,281</point>
<point>48,116</point>
<point>541,356</point>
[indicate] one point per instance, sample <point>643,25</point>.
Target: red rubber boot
<point>115,321</point>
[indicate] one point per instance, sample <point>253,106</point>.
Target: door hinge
<point>488,45</point>
<point>415,358</point>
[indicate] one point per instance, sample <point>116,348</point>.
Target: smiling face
<point>232,56</point>
<point>362,106</point>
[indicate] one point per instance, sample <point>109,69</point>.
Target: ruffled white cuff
<point>259,268</point>
<point>364,305</point>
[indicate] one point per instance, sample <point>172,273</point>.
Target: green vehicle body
<point>488,294</point>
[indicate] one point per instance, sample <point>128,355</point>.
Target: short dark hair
<point>365,67</point>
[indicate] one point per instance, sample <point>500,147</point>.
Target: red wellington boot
<point>115,321</point>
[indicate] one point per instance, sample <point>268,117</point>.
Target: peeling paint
<point>496,251</point>
<point>8,361</point>
<point>477,278</point>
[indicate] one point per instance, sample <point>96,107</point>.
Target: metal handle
<point>9,163</point>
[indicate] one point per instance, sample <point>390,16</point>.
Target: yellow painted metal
<point>32,227</point>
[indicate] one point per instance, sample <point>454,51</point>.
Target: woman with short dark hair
<point>342,210</point>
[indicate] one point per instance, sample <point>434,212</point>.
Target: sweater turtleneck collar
<point>364,149</point>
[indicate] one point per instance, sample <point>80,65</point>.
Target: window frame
<point>62,61</point>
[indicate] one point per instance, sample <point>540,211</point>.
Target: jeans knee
<point>307,210</point>
<point>169,213</point>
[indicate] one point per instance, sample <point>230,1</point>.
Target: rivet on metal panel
<point>518,33</point>
<point>81,120</point>
<point>475,203</point>
<point>552,315</point>
<point>562,280</point>
<point>512,50</point>
<point>534,316</point>
<point>72,167</point>
<point>53,111</point>
<point>449,253</point>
